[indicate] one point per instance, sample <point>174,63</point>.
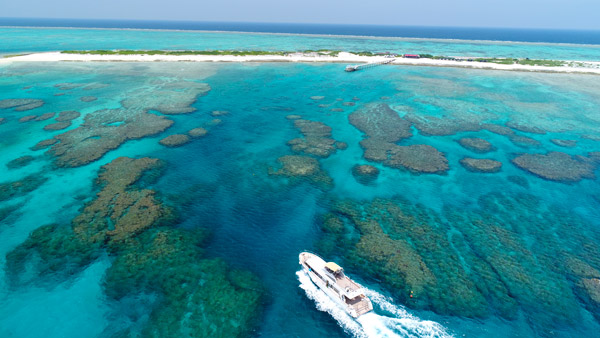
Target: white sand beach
<point>583,67</point>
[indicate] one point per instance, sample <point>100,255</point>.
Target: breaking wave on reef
<point>399,323</point>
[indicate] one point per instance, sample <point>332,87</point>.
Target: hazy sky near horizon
<point>560,14</point>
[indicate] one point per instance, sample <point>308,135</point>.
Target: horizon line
<point>302,23</point>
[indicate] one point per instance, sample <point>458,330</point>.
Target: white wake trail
<point>371,325</point>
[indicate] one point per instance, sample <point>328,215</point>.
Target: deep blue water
<point>457,33</point>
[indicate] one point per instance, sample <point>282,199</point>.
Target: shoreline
<point>342,57</point>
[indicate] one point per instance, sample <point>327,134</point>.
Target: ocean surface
<point>100,240</point>
<point>84,35</point>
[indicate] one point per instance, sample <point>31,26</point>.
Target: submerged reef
<point>57,126</point>
<point>511,254</point>
<point>302,167</point>
<point>365,173</point>
<point>88,98</point>
<point>44,144</point>
<point>557,166</point>
<point>45,116</point>
<point>27,118</point>
<point>168,97</point>
<point>435,126</point>
<point>21,104</point>
<point>197,132</point>
<point>317,139</point>
<point>476,144</point>
<point>175,140</point>
<point>564,143</point>
<point>195,296</point>
<point>524,141</point>
<point>383,127</point>
<point>418,158</point>
<point>103,131</point>
<point>19,162</point>
<point>20,187</point>
<point>65,116</point>
<point>525,128</point>
<point>481,165</point>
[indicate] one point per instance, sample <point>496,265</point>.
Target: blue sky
<point>575,14</point>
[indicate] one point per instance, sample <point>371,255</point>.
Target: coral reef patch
<point>557,166</point>
<point>508,255</point>
<point>302,167</point>
<point>175,140</point>
<point>68,115</point>
<point>102,131</point>
<point>365,173</point>
<point>476,144</point>
<point>21,104</point>
<point>197,132</point>
<point>88,98</point>
<point>317,139</point>
<point>20,187</point>
<point>564,143</point>
<point>19,162</point>
<point>481,165</point>
<point>196,296</point>
<point>57,126</point>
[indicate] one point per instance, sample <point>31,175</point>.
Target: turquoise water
<point>224,183</point>
<point>17,40</point>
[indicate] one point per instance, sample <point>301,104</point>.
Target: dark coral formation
<point>219,113</point>
<point>524,141</point>
<point>383,128</point>
<point>564,143</point>
<point>45,116</point>
<point>511,254</point>
<point>19,162</point>
<point>27,118</point>
<point>317,97</point>
<point>525,128</point>
<point>431,125</point>
<point>175,140</point>
<point>20,187</point>
<point>44,144</point>
<point>293,117</point>
<point>68,115</point>
<point>418,158</point>
<point>2,119</point>
<point>481,165</point>
<point>379,122</point>
<point>88,98</point>
<point>57,126</point>
<point>21,104</point>
<point>103,131</point>
<point>556,166</point>
<point>498,129</point>
<point>476,144</point>
<point>365,173</point>
<point>317,139</point>
<point>168,97</point>
<point>68,85</point>
<point>302,167</point>
<point>197,132</point>
<point>196,296</point>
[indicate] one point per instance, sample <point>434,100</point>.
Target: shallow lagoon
<point>223,182</point>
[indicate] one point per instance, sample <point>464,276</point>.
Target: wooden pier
<point>353,68</point>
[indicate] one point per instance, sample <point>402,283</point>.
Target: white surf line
<point>591,67</point>
<point>371,325</point>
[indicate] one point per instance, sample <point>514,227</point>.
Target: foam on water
<point>400,323</point>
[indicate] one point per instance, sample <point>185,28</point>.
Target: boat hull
<point>321,284</point>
